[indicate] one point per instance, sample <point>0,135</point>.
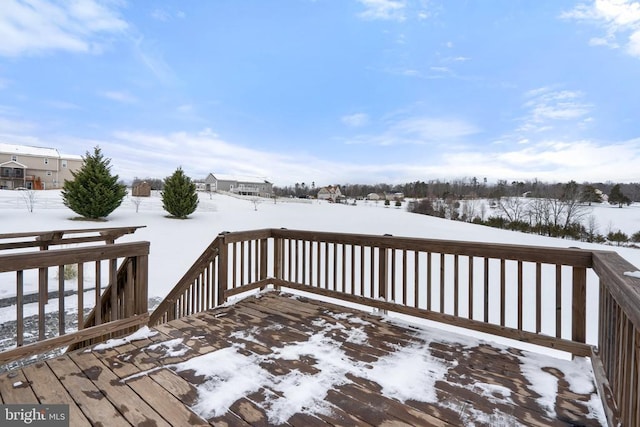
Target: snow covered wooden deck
<point>280,360</point>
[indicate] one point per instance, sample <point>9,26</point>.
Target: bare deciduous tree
<point>29,197</point>
<point>256,201</point>
<point>137,201</point>
<point>512,207</point>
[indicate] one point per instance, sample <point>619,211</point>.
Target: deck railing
<point>95,266</point>
<point>540,295</point>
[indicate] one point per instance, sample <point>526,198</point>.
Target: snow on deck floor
<point>277,360</point>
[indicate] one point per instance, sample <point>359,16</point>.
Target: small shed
<point>142,189</point>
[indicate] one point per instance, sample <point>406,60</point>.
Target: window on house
<point>14,158</point>
<point>46,161</point>
<point>64,163</point>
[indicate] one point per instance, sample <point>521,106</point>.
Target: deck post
<point>579,304</point>
<point>264,256</point>
<point>223,268</point>
<point>277,258</point>
<point>383,267</point>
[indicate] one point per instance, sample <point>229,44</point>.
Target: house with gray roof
<point>241,185</point>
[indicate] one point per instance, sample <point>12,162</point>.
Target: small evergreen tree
<point>93,193</point>
<point>179,196</point>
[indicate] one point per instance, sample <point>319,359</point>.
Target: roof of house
<point>331,189</point>
<point>239,178</point>
<point>28,150</point>
<point>11,162</point>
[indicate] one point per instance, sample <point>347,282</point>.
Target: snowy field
<point>175,244</point>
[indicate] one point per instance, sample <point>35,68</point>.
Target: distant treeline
<point>559,210</point>
<point>459,189</point>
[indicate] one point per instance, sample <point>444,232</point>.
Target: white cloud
<point>123,97</point>
<point>160,15</point>
<point>545,107</point>
<point>151,56</point>
<point>185,108</point>
<point>387,10</point>
<point>419,131</point>
<point>355,120</point>
<point>620,19</point>
<point>164,15</point>
<point>37,26</point>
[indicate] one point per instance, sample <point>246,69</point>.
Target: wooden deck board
<point>142,382</point>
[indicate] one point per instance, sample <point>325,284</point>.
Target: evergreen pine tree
<point>93,193</point>
<point>179,196</point>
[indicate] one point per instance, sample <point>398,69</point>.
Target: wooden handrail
<point>45,239</point>
<point>543,254</point>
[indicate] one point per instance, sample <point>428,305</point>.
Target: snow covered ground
<point>175,244</point>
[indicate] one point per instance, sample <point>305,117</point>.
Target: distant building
<point>373,196</point>
<point>142,189</point>
<point>331,192</point>
<point>242,185</point>
<point>36,168</point>
<point>394,196</point>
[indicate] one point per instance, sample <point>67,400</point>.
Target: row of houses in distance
<point>35,168</point>
<point>333,193</point>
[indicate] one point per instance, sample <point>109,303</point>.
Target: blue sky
<point>329,91</point>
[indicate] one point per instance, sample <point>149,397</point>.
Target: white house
<point>331,192</point>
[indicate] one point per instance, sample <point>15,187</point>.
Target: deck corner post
<point>264,257</point>
<point>579,305</point>
<point>223,267</point>
<point>277,258</point>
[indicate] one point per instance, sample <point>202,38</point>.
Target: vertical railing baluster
<point>334,246</point>
<point>97,307</point>
<point>326,265</point>
<point>392,280</point>
<point>61,314</point>
<point>416,279</point>
<point>242,266</point>
<point>486,290</point>
<point>361,271</point>
<point>520,297</point>
<point>304,262</point>
<point>442,282</point>
<point>353,270</point>
<point>80,287</point>
<point>343,268</point>
<point>429,296</point>
<point>558,301</point>
<point>470,291</point>
<point>19,308</point>
<point>456,284</point>
<point>538,297</point>
<point>372,271</point>
<point>503,291</point>
<point>43,296</point>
